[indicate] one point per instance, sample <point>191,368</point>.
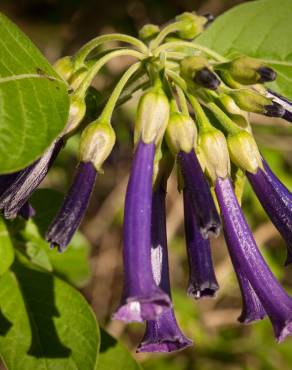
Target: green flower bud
<point>197,69</point>
<point>148,32</point>
<point>64,67</point>
<point>251,101</point>
<point>244,151</point>
<point>76,113</point>
<point>191,25</point>
<point>190,65</point>
<point>181,133</point>
<point>234,112</point>
<point>152,116</point>
<point>96,143</point>
<point>248,71</point>
<point>213,153</point>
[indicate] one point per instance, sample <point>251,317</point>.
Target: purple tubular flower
<point>27,181</point>
<point>246,256</point>
<point>142,299</point>
<point>276,199</point>
<point>201,196</point>
<point>69,216</point>
<point>284,102</point>
<point>163,333</point>
<point>202,280</point>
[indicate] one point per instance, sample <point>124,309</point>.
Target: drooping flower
<point>17,194</point>
<point>142,299</point>
<point>75,204</point>
<point>162,334</point>
<point>276,199</point>
<point>284,102</point>
<point>245,254</point>
<point>202,280</point>
<point>200,193</point>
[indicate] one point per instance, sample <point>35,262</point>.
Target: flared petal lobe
<point>202,280</point>
<point>142,299</point>
<point>69,216</point>
<point>245,254</point>
<point>201,196</point>
<point>276,199</point>
<point>162,334</point>
<point>27,181</point>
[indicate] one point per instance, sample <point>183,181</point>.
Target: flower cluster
<point>192,114</point>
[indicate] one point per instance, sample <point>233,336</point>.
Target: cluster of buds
<point>192,114</point>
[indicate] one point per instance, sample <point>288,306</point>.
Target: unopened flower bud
<point>96,143</point>
<point>152,116</point>
<point>64,67</point>
<point>248,71</point>
<point>148,31</point>
<point>213,152</point>
<point>237,115</point>
<point>181,133</point>
<point>252,101</point>
<point>76,113</point>
<point>191,25</point>
<point>197,69</point>
<point>244,151</point>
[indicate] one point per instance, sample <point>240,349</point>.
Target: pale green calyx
<point>191,25</point>
<point>244,151</point>
<point>181,133</point>
<point>148,31</point>
<point>96,143</point>
<point>152,116</point>
<point>64,67</point>
<point>76,113</point>
<point>244,69</point>
<point>250,100</point>
<point>213,153</point>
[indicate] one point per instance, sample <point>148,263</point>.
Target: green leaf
<point>113,355</point>
<point>260,29</point>
<point>6,248</point>
<point>34,101</point>
<point>48,324</point>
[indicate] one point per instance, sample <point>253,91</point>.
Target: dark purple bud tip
<point>75,203</point>
<point>274,110</point>
<point>267,74</point>
<point>163,335</point>
<point>139,309</point>
<point>210,19</point>
<point>207,79</point>
<point>284,102</point>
